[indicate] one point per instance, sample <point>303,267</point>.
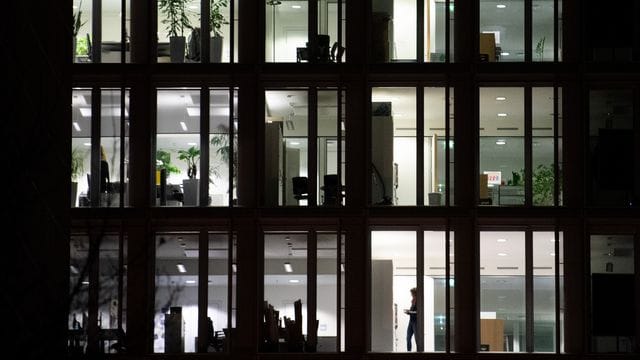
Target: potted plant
<point>216,20</point>
<point>540,48</point>
<point>543,185</point>
<point>190,185</point>
<point>77,24</point>
<point>223,145</point>
<point>176,20</point>
<point>77,168</point>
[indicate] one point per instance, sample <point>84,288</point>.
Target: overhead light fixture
<point>294,281</point>
<point>85,112</point>
<point>181,268</point>
<point>342,267</point>
<point>190,281</point>
<point>294,143</point>
<point>501,98</point>
<point>87,144</point>
<point>502,114</point>
<point>87,282</point>
<point>192,144</point>
<point>193,111</point>
<point>76,126</point>
<point>502,254</point>
<point>234,267</point>
<point>502,240</point>
<point>184,126</point>
<point>505,53</point>
<point>296,6</point>
<point>287,267</point>
<point>500,142</point>
<point>501,6</point>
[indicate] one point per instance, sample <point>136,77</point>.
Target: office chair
<point>331,188</point>
<point>300,187</point>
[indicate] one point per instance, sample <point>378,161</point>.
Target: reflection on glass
<point>502,30</point>
<point>218,293</point>
<point>502,291</point>
<point>286,148</point>
<point>286,30</point>
<point>544,292</point>
<point>110,147</point>
<point>435,19</point>
<point>435,289</point>
<point>78,322</point>
<point>80,147</point>
<point>613,302</point>
<point>285,291</point>
<point>502,179</point>
<point>611,136</point>
<point>178,148</point>
<point>220,147</point>
<point>393,275</point>
<point>177,21</point>
<point>394,29</point>
<point>393,151</point>
<point>327,292</point>
<point>82,25</point>
<point>543,146</point>
<point>329,187</point>
<point>176,293</point>
<point>542,42</point>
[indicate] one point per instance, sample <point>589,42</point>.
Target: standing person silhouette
<point>412,329</point>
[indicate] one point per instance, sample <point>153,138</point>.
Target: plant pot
<point>191,188</point>
<point>176,48</point>
<point>74,193</point>
<point>215,49</point>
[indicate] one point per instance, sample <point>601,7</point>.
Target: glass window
<point>502,291</point>
<point>286,30</point>
<point>80,147</point>
<point>502,180</point>
<point>78,322</point>
<point>437,150</point>
<point>286,148</point>
<point>502,30</point>
<point>613,291</point>
<point>176,293</point>
<point>220,300</point>
<point>394,148</point>
<point>611,136</point>
<point>328,304</point>
<point>542,17</point>
<point>544,291</point>
<point>285,292</point>
<point>330,154</point>
<point>543,146</point>
<point>221,153</point>
<point>435,35</point>
<point>101,44</point>
<point>178,147</point>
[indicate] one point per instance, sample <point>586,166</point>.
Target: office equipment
<point>492,334</point>
<point>331,188</point>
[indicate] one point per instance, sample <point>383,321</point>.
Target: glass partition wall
<point>304,136</point>
<point>411,291</point>
<point>405,169</point>
<point>100,147</point>
<point>305,31</point>
<point>303,292</point>
<point>187,142</point>
<point>520,146</point>
<point>520,286</point>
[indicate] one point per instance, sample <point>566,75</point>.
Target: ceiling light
<point>502,114</point>
<point>502,254</point>
<point>183,125</point>
<point>500,142</point>
<point>85,112</point>
<point>501,6</point>
<point>294,281</point>
<point>193,111</point>
<point>552,254</point>
<point>505,53</point>
<point>234,267</point>
<point>85,282</point>
<point>76,126</point>
<point>287,267</point>
<point>87,144</point>
<point>190,281</point>
<point>294,143</point>
<point>502,240</point>
<point>192,144</point>
<point>181,268</point>
<point>501,98</point>
<point>296,6</point>
<point>342,267</point>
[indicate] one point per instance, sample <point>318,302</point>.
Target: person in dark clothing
<point>412,329</point>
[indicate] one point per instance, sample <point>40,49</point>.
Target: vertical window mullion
<point>94,185</point>
<point>122,146</point>
<point>529,290</point>
<point>420,146</point>
<point>312,330</point>
<point>230,262</point>
<point>557,288</point>
<point>447,294</point>
<point>96,29</point>
<point>339,142</point>
<point>232,143</point>
<point>123,33</point>
<point>339,288</point>
<point>206,31</point>
<point>447,57</point>
<point>556,26</point>
<point>312,32</point>
<point>204,146</point>
<point>447,152</point>
<point>419,337</point>
<point>203,293</point>
<point>339,60</point>
<point>556,145</point>
<point>232,30</point>
<point>312,144</point>
<point>528,114</point>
